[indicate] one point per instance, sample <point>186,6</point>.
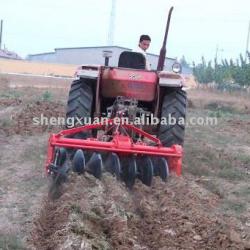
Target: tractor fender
<point>87,71</point>
<point>170,79</point>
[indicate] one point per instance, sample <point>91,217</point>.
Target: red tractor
<point>123,147</point>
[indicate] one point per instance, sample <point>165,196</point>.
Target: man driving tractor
<point>143,45</point>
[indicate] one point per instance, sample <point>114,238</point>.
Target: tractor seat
<point>132,60</point>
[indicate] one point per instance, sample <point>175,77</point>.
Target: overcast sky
<point>197,26</point>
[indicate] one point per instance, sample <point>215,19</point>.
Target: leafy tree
<point>226,72</point>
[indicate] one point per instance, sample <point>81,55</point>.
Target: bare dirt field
<point>207,208</point>
<point>36,68</point>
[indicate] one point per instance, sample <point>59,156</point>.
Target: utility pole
<point>1,33</point>
<point>110,39</point>
<point>248,34</point>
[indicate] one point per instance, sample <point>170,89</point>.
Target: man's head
<point>144,42</point>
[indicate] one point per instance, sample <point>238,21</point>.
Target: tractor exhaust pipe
<point>162,56</point>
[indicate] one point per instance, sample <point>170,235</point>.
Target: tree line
<point>226,72</point>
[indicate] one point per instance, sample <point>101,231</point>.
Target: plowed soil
<point>93,214</point>
<point>23,122</point>
<point>207,208</point>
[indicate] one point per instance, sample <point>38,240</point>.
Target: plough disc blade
<point>59,171</point>
<point>145,169</point>
<point>161,167</point>
<point>60,156</point>
<point>112,165</point>
<point>78,162</point>
<point>129,170</point>
<point>59,168</point>
<point>94,165</point>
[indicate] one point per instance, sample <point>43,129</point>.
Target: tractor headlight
<point>176,67</point>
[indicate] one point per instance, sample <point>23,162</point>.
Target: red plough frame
<point>120,144</point>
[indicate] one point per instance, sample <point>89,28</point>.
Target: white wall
<point>91,55</point>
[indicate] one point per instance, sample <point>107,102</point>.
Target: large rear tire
<point>174,104</point>
<point>80,101</point>
<point>80,106</point>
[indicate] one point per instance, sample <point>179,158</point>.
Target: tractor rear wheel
<point>173,109</point>
<point>79,107</point>
<point>80,102</point>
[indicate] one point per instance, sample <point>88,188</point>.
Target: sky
<point>198,28</point>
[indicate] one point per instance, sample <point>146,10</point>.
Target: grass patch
<point>245,159</point>
<point>220,110</point>
<point>242,192</point>
<point>198,170</point>
<point>218,114</point>
<point>214,106</point>
<point>207,154</point>
<point>228,170</point>
<point>81,230</point>
<point>6,122</point>
<point>11,242</point>
<point>35,153</point>
<point>47,96</point>
<point>199,160</point>
<point>11,94</point>
<point>235,206</point>
<point>33,184</point>
<point>98,240</point>
<point>75,208</point>
<point>214,187</point>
